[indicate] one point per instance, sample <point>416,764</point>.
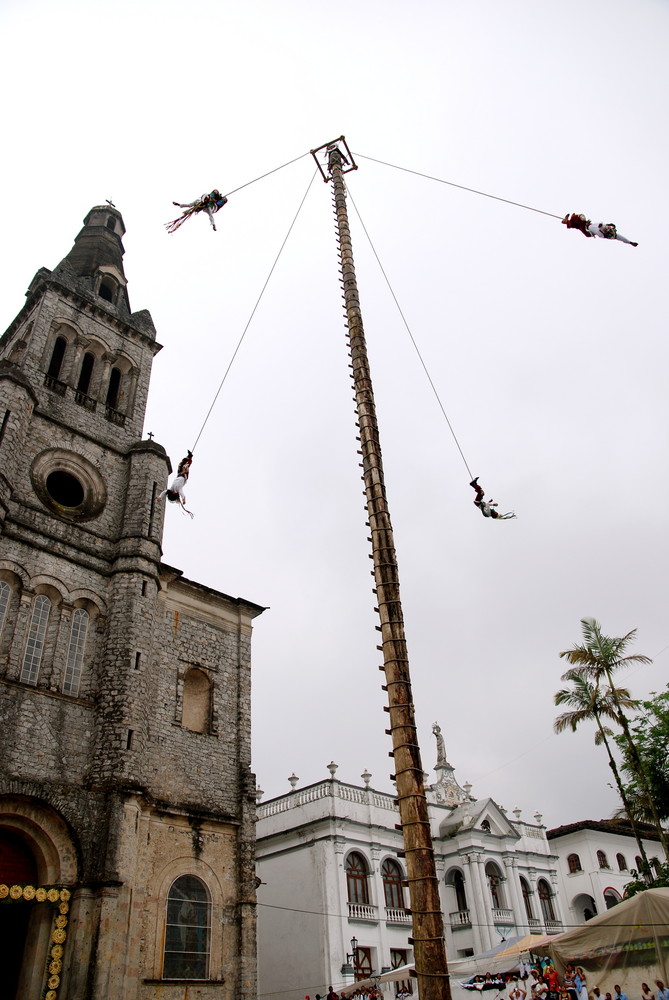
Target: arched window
<point>75,652</point>
<point>356,879</point>
<point>57,356</point>
<point>527,897</point>
<point>111,223</point>
<point>36,636</point>
<point>611,897</point>
<point>187,930</point>
<point>196,714</point>
<point>5,594</point>
<point>495,883</point>
<point>85,373</point>
<point>113,388</point>
<point>460,893</point>
<point>546,899</point>
<point>391,873</point>
<point>574,863</point>
<point>107,289</point>
<point>622,863</point>
<point>602,860</point>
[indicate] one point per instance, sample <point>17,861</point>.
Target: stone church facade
<point>127,803</point>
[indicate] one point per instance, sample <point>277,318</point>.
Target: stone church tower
<point>127,803</point>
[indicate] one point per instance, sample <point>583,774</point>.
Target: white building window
<point>398,958</point>
<point>546,900</point>
<point>75,652</point>
<point>392,876</point>
<point>36,636</point>
<point>356,879</point>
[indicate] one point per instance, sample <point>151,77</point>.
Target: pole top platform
<point>347,157</point>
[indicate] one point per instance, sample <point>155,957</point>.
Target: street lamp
<point>348,968</point>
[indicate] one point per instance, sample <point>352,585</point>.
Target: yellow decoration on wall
<point>55,966</point>
<point>52,895</point>
<point>50,995</point>
<point>16,891</point>
<point>28,891</point>
<point>57,951</point>
<point>65,895</point>
<point>61,921</point>
<point>4,891</point>
<point>58,935</point>
<point>64,907</point>
<point>54,982</point>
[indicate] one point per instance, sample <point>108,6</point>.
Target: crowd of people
<point>546,984</point>
<point>540,984</point>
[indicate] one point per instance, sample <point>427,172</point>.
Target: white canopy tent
<point>394,976</point>
<point>626,945</point>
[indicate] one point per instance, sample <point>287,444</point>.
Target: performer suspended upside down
<point>175,491</point>
<point>487,506</point>
<point>607,231</point>
<point>209,203</point>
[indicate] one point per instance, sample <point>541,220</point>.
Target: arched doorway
<point>37,881</point>
<point>584,907</point>
<point>17,866</point>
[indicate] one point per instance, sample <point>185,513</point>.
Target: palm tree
<point>589,704</point>
<point>596,660</point>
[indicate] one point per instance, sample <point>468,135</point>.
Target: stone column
<point>339,936</point>
<point>479,896</point>
<point>511,865</point>
<point>378,897</point>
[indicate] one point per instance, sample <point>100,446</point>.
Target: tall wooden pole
<point>428,921</point>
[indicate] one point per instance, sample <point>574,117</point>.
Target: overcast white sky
<point>549,351</point>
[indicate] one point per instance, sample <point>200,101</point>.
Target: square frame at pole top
<point>352,165</point>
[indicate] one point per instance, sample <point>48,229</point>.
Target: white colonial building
<point>330,863</point>
<point>595,859</point>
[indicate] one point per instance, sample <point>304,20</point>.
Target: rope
<point>413,341</point>
<point>462,187</point>
<point>262,292</point>
<point>262,176</point>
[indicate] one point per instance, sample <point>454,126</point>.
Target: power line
<point>344,916</point>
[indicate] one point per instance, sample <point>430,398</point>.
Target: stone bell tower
<point>126,796</point>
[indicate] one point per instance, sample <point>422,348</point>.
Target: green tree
<point>660,879</point>
<point>596,660</point>
<point>650,731</point>
<point>587,703</point>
